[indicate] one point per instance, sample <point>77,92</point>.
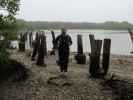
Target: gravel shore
<point>82,87</point>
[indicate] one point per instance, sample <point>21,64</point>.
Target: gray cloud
<point>77,10</point>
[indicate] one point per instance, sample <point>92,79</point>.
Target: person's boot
<point>61,74</point>
<point>65,75</point>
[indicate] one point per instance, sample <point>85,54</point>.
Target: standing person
<point>63,42</point>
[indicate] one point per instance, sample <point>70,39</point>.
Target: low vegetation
<point>109,25</point>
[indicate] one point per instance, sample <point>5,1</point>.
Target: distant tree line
<point>109,25</point>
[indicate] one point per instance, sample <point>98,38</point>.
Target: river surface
<point>120,39</point>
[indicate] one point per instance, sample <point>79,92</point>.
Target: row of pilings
<point>96,67</point>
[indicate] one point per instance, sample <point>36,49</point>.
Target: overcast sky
<point>76,10</point>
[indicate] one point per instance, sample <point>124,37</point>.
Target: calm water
<point>121,42</point>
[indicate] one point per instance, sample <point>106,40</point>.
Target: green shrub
<point>4,55</point>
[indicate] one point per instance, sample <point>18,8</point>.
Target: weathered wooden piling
<point>42,51</point>
<point>30,38</point>
<point>53,37</point>
<point>80,57</point>
<point>95,58</point>
<point>92,38</point>
<point>53,42</point>
<point>45,45</point>
<point>80,44</point>
<point>106,55</point>
<point>35,46</point>
<point>22,42</point>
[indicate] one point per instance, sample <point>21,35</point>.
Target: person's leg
<point>65,70</point>
<point>62,73</point>
<point>65,67</point>
<point>61,68</point>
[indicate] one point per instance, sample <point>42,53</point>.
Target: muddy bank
<point>36,87</point>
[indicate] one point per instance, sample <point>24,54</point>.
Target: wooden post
<point>53,36</point>
<point>106,55</point>
<point>27,42</point>
<point>35,46</point>
<point>22,42</point>
<point>42,51</point>
<point>80,44</point>
<point>95,58</point>
<point>30,38</point>
<point>53,41</point>
<point>45,45</point>
<point>92,38</point>
<point>80,57</point>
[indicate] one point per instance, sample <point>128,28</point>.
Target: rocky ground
<point>80,87</point>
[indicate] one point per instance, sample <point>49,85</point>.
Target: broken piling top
<point>80,44</point>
